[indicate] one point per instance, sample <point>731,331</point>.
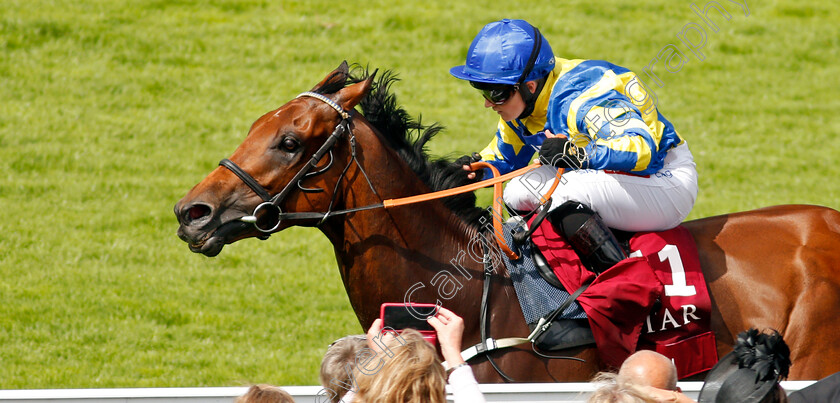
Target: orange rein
<point>496,181</point>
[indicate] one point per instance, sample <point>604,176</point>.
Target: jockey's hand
<point>548,134</point>
<point>558,152</point>
<point>465,162</point>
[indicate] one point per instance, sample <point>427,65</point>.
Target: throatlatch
<point>592,240</point>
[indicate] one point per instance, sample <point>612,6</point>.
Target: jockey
<point>626,166</point>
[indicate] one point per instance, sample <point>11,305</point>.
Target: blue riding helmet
<point>499,54</point>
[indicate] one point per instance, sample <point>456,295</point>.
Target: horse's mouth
<point>209,247</point>
<point>226,233</point>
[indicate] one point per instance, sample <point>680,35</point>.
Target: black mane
<point>408,137</point>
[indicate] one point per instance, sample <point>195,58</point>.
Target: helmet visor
<point>495,93</point>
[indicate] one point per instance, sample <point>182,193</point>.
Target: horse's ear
<point>351,95</point>
<point>336,79</point>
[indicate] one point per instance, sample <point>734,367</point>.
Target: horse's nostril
<point>197,212</point>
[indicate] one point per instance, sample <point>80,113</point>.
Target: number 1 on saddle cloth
<point>620,301</point>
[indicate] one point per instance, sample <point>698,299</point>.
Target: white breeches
<point>624,201</point>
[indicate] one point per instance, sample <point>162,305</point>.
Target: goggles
<point>495,93</point>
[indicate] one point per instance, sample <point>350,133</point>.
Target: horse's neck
<point>384,255</point>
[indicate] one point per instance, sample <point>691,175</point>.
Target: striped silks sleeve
<point>619,131</point>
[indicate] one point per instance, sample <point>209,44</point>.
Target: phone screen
<point>399,317</point>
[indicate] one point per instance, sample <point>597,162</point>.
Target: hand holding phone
<point>399,316</point>
<point>450,329</point>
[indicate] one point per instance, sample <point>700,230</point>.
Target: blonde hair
<point>263,393</point>
<point>334,371</point>
<point>613,391</point>
<point>413,375</point>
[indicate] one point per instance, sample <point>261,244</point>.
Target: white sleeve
<point>463,386</point>
<point>348,397</point>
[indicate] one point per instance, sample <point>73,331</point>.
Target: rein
<point>268,215</point>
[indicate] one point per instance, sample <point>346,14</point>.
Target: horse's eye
<point>289,144</point>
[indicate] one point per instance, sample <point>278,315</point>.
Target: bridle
<point>268,215</point>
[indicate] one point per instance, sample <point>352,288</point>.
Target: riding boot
<point>590,238</point>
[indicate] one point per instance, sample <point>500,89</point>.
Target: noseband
<point>268,216</point>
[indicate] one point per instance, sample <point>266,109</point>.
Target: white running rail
<point>511,393</point>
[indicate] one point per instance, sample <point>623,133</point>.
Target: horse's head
<point>278,147</point>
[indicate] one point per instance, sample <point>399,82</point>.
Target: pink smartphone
<point>399,316</point>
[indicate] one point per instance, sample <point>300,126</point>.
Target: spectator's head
<point>265,394</point>
<point>339,363</point>
<point>751,372</point>
<point>649,368</point>
<point>414,374</point>
<point>612,390</point>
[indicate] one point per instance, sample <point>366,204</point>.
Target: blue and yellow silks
<point>601,107</point>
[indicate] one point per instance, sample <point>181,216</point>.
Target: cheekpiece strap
<point>330,102</point>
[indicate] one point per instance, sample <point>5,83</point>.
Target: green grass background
<point>110,111</point>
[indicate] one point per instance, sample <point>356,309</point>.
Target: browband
<point>330,102</point>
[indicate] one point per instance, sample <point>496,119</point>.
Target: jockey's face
<point>514,106</point>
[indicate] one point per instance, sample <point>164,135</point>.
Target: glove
<point>558,152</point>
<point>469,159</point>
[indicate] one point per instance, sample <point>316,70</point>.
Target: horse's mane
<point>408,137</point>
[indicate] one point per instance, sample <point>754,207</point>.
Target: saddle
<point>657,299</point>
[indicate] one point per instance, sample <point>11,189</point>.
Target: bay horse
<point>776,267</point>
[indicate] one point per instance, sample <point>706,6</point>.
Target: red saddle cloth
<point>619,302</point>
